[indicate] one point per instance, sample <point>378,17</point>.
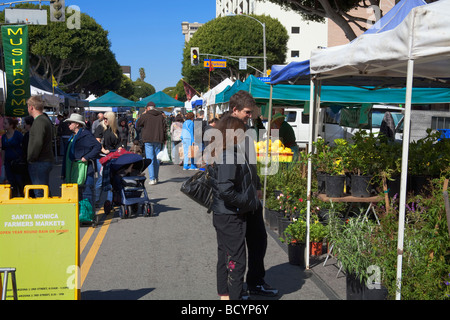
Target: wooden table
<point>349,198</point>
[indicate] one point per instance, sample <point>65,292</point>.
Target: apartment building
<point>304,36</point>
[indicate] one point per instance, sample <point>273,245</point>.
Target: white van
<point>329,128</point>
<point>300,123</point>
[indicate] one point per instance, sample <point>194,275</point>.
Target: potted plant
<point>319,161</point>
<point>335,166</point>
<point>294,236</point>
<point>317,234</point>
<point>390,166</point>
<point>427,157</point>
<point>291,206</point>
<point>426,268</point>
<point>352,241</point>
<point>364,159</point>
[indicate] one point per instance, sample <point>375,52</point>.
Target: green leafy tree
<point>142,74</point>
<point>77,58</point>
<point>126,89</point>
<point>337,11</point>
<point>142,89</point>
<point>234,37</point>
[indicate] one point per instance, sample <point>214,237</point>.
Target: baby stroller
<point>128,185</point>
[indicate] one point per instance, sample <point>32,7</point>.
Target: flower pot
<point>324,216</point>
<point>296,253</point>
<point>316,248</point>
<point>420,184</point>
<point>334,186</point>
<point>321,177</point>
<point>361,186</point>
<point>282,225</point>
<point>273,220</point>
<point>356,290</point>
<point>394,186</point>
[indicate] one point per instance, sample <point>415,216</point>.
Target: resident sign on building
<point>17,69</point>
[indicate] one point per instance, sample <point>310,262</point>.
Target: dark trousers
<point>231,260</point>
<point>256,237</point>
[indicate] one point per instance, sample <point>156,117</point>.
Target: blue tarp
<point>290,72</point>
<point>396,15</point>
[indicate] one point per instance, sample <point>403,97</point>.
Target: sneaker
<point>245,295</point>
<point>107,206</point>
<point>152,182</point>
<point>263,290</point>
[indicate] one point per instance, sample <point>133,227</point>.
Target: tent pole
<point>310,150</point>
<point>404,175</point>
<point>266,157</point>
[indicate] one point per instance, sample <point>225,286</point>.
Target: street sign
<point>26,16</point>
<point>217,64</point>
<point>242,63</point>
<point>264,79</point>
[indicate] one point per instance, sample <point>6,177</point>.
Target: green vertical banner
<point>17,68</point>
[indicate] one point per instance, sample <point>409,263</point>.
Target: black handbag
<point>19,166</point>
<point>198,189</point>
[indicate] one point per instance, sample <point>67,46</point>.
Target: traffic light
<point>57,10</point>
<point>195,56</point>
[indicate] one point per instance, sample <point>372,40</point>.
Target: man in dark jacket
<point>153,136</point>
<point>40,153</point>
<point>242,106</point>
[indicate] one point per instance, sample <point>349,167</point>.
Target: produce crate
<point>279,157</point>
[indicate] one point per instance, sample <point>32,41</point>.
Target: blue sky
<point>147,33</point>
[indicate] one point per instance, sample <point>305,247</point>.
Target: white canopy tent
<point>417,50</point>
<point>209,97</point>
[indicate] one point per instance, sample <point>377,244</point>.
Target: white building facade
<point>304,36</point>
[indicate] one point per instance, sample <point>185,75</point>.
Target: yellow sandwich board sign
<point>39,237</point>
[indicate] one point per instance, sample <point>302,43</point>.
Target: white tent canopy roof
<point>423,36</point>
<point>210,96</point>
<point>418,47</point>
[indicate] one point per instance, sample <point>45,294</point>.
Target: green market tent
<point>161,100</point>
<point>291,95</point>
<point>111,99</point>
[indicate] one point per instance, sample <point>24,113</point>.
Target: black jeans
<point>231,253</point>
<point>256,237</point>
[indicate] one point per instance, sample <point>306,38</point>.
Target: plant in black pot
<point>291,206</point>
<point>336,162</point>
<point>427,157</point>
<point>319,161</point>
<point>364,161</point>
<point>294,235</point>
<point>351,240</point>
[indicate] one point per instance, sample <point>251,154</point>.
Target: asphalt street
<point>172,256</point>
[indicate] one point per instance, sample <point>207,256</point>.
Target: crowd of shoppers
<point>237,210</point>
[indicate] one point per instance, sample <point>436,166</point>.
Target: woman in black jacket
<point>234,184</point>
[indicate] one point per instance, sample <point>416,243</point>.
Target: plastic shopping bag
<point>163,155</point>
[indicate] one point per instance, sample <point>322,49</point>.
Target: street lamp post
<point>264,38</point>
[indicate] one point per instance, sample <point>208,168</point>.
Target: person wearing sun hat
<point>82,147</point>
